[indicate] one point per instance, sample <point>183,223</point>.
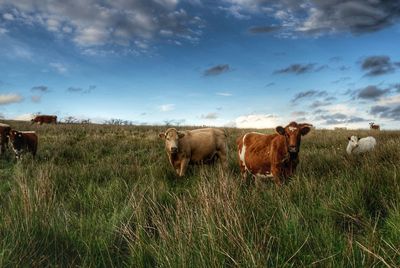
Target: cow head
<point>292,134</point>
<point>17,141</point>
<point>171,137</point>
<point>353,142</point>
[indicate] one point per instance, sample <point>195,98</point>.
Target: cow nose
<point>174,149</point>
<point>292,149</point>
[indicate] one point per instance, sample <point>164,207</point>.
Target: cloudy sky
<point>244,63</point>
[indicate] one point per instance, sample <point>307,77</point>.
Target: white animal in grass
<point>358,146</point>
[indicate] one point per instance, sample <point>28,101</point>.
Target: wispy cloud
<point>308,95</point>
<point>298,68</point>
<point>224,94</point>
<point>166,107</point>
<point>59,67</point>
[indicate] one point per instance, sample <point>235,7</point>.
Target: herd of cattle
<point>274,156</point>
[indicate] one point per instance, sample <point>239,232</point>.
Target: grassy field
<point>106,196</point>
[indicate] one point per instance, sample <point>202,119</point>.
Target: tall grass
<point>106,196</point>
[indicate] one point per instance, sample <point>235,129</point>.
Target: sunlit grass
<point>106,196</point>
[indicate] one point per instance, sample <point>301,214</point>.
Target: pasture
<point>103,195</point>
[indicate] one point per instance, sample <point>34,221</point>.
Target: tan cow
<point>194,146</point>
<point>4,131</point>
<point>271,156</point>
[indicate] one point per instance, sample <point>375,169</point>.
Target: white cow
<point>358,146</point>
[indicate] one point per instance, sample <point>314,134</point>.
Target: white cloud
<point>59,67</point>
<point>224,94</point>
<point>91,36</point>
<point>10,98</point>
<point>53,25</point>
<point>167,107</point>
<point>258,121</point>
<point>8,16</point>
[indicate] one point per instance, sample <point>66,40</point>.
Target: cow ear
<point>161,135</point>
<point>280,130</point>
<point>304,130</point>
<point>181,135</point>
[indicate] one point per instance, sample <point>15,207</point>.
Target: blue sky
<point>243,63</point>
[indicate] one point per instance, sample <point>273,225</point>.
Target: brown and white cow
<point>271,156</point>
<point>23,141</point>
<point>4,131</point>
<point>372,125</point>
<point>194,146</point>
<point>48,119</point>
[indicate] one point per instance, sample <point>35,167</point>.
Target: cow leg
<point>276,173</point>
<point>184,165</point>
<point>222,157</point>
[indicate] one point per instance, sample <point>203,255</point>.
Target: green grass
<point>106,196</point>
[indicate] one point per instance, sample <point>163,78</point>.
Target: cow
<point>48,119</point>
<point>372,125</point>
<point>358,146</point>
<point>4,131</point>
<point>199,146</point>
<point>23,141</point>
<point>272,156</point>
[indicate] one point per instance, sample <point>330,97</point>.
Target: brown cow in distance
<point>23,141</point>
<point>271,156</point>
<point>4,131</point>
<point>47,119</point>
<point>372,125</point>
<point>194,146</point>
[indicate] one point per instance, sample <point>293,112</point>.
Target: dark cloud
<point>309,94</point>
<point>331,98</point>
<point>377,65</point>
<point>317,104</point>
<point>264,29</point>
<point>371,93</point>
<point>378,109</point>
<point>339,118</point>
<point>297,69</point>
<point>318,17</point>
<point>389,112</point>
<point>40,88</point>
<point>217,70</point>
